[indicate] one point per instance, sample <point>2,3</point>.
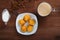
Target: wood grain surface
<point>48,28</point>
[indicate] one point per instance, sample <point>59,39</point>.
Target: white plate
<point>20,16</point>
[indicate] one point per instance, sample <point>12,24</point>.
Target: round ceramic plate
<point>20,16</point>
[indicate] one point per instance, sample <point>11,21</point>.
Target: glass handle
<point>56,10</point>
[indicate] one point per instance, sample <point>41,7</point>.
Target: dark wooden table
<point>48,29</point>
